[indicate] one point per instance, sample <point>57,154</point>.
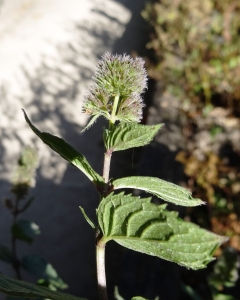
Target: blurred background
<point>48,53</point>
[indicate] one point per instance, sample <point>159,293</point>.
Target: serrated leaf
<point>25,230</point>
<point>162,189</point>
<point>129,135</point>
<point>67,152</point>
<point>38,266</point>
<point>14,287</point>
<point>5,254</point>
<point>140,225</point>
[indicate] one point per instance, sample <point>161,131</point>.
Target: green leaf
<point>162,189</point>
<point>190,292</point>
<point>67,152</point>
<point>14,287</point>
<point>137,224</point>
<point>38,266</point>
<point>91,122</point>
<point>224,297</point>
<point>90,222</point>
<point>139,298</point>
<point>117,296</point>
<point>25,230</point>
<point>5,254</point>
<point>129,135</point>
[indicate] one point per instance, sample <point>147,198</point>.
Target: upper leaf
<point>129,135</point>
<point>67,152</point>
<point>142,226</point>
<point>162,189</point>
<point>25,230</point>
<point>14,287</point>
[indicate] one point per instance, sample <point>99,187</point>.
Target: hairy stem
<point>100,248</point>
<point>101,276</point>
<point>106,165</point>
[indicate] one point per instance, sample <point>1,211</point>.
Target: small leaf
<point>52,284</point>
<point>137,224</point>
<point>91,122</point>
<point>38,266</point>
<point>162,189</point>
<point>5,254</point>
<point>129,135</point>
<point>90,222</point>
<point>14,287</point>
<point>117,296</point>
<point>190,292</point>
<point>67,152</point>
<point>25,230</point>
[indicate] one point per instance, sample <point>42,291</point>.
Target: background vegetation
<point>194,55</point>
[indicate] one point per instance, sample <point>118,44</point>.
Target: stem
<point>114,110</point>
<point>101,276</point>
<point>15,264</point>
<point>106,165</point>
<point>100,245</point>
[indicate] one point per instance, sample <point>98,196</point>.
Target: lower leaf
<point>18,288</point>
<point>38,266</point>
<point>137,224</point>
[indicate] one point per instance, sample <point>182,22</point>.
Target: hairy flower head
<point>121,74</point>
<point>118,78</point>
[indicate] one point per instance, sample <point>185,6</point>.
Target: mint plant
<point>133,222</point>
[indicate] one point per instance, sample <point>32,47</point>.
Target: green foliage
<point>162,189</point>
<point>224,275</point>
<point>67,152</point>
<point>225,272</point>
<point>25,230</point>
<point>196,47</point>
<point>14,287</point>
<point>90,222</point>
<point>137,224</point>
<point>129,135</point>
<point>38,266</point>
